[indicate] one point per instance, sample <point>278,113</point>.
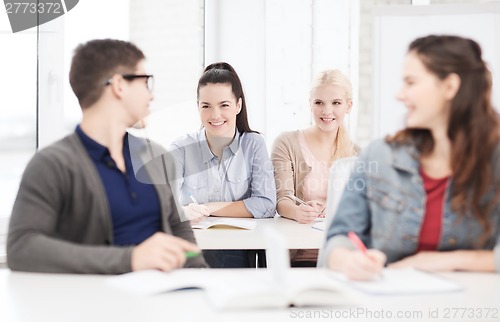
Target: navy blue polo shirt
<point>135,207</point>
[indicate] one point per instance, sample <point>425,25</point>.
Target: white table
<point>297,236</point>
<point>29,297</point>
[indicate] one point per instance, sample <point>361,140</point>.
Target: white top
<point>316,182</point>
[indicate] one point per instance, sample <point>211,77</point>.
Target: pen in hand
<point>193,199</point>
<point>191,254</point>
<point>357,242</point>
<point>302,202</point>
<point>360,246</point>
<point>298,200</point>
<point>196,211</point>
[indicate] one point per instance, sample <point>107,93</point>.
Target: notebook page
<point>148,282</point>
<point>244,223</point>
<point>402,281</point>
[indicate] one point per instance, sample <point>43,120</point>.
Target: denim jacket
<point>384,203</point>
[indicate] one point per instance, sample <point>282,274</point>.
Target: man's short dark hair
<point>98,60</point>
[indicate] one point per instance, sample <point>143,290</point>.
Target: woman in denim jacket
<point>429,196</point>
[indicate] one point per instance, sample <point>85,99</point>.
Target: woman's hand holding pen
<point>357,265</point>
<point>318,205</point>
<point>305,214</point>
<point>196,212</point>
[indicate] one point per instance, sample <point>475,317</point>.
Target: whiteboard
<point>395,27</point>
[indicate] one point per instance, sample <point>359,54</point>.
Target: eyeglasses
<point>131,77</point>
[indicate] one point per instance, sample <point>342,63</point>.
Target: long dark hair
<point>473,125</point>
<point>223,73</point>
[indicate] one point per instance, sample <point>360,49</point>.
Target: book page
<point>246,289</point>
<point>320,225</point>
<point>402,281</point>
<point>148,282</point>
<point>244,223</point>
<point>315,287</point>
<point>240,288</point>
<point>260,289</point>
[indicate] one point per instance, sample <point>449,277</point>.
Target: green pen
<point>191,254</point>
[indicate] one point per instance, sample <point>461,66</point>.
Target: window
<point>170,34</point>
<point>18,63</point>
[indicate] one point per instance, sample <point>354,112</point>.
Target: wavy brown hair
<point>473,125</point>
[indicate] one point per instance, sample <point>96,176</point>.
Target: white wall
<point>277,47</point>
<point>59,111</point>
<point>396,27</point>
<point>365,124</point>
<point>171,34</point>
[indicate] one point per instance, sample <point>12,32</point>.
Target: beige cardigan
<point>290,170</point>
<point>290,167</point>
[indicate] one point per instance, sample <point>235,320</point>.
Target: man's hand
<point>161,251</point>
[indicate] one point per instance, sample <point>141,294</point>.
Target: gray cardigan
<point>61,221</point>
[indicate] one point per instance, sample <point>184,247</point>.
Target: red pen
<point>357,242</point>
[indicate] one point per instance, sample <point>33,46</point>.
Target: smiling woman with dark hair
<point>224,169</point>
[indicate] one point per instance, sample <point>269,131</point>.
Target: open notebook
<point>402,281</point>
<point>319,225</point>
<point>224,222</point>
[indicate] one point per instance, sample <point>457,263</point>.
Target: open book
<point>402,281</point>
<point>276,287</point>
<point>298,287</point>
<point>224,222</point>
<point>241,288</point>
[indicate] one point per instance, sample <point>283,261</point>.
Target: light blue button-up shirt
<point>245,172</point>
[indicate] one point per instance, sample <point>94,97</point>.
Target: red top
<point>431,226</point>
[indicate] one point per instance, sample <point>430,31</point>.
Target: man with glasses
<point>82,206</point>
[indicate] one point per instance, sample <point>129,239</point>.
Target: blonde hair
<point>344,147</point>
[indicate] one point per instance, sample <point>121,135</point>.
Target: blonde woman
<point>302,158</point>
